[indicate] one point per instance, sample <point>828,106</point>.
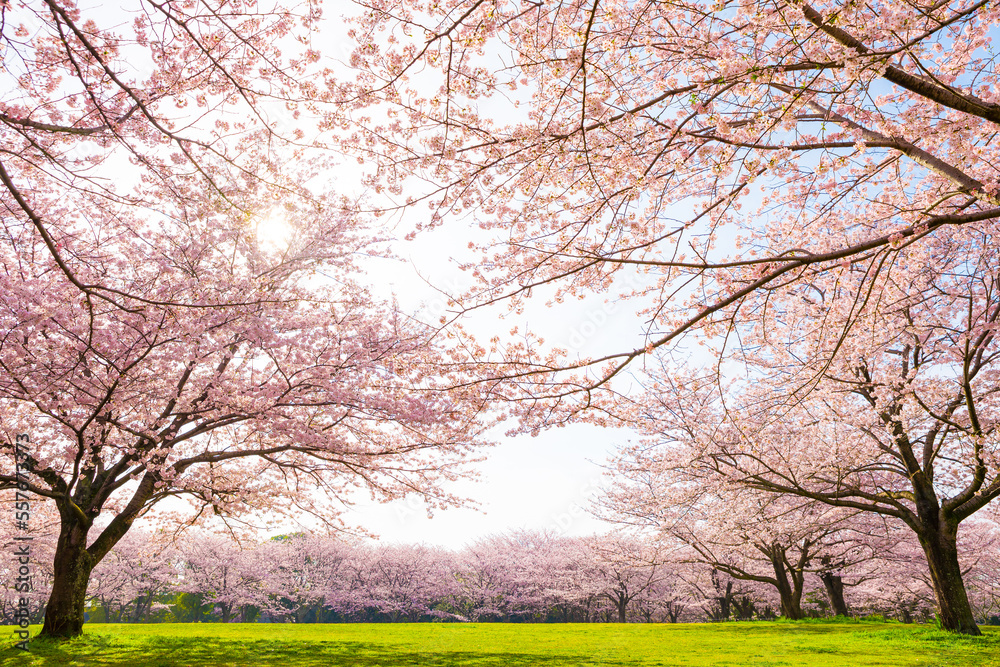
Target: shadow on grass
<point>96,650</point>
<point>704,646</point>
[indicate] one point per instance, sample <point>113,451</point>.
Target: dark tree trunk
<point>723,598</point>
<point>141,602</point>
<point>74,560</point>
<point>71,574</point>
<point>834,585</point>
<point>791,597</point>
<point>620,599</point>
<point>954,610</point>
<point>905,615</point>
<point>725,603</point>
<point>936,523</point>
<point>745,607</point>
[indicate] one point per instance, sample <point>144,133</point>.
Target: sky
<point>546,482</point>
<point>542,483</point>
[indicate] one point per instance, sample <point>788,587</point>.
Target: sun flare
<point>274,232</point>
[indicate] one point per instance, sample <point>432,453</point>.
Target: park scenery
<point>500,332</point>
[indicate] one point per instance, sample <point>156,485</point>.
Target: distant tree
<point>900,423</point>
<point>626,568</point>
<point>497,577</point>
<point>127,585</point>
<point>981,546</point>
<point>750,536</point>
<point>42,526</point>
<point>402,582</point>
<point>226,576</point>
<point>311,575</point>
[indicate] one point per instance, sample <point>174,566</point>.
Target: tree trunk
<point>954,610</point>
<point>140,608</point>
<point>725,603</point>
<point>905,615</point>
<point>723,600</point>
<point>834,585</point>
<point>745,607</point>
<point>74,560</point>
<point>791,607</point>
<point>71,573</point>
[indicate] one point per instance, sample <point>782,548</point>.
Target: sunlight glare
<point>274,232</point>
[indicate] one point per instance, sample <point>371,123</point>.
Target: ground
<point>512,645</point>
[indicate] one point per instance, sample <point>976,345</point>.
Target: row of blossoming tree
<point>520,577</point>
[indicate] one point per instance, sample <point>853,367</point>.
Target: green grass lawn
<point>509,645</point>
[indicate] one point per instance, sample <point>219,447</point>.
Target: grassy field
<point>501,645</point>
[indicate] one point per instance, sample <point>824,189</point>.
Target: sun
<point>273,231</point>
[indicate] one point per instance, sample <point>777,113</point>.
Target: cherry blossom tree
<point>721,597</point>
<point>867,390</point>
<point>895,581</point>
<point>128,582</point>
<point>626,568</point>
<point>525,575</point>
<point>698,158</point>
<point>302,389</point>
<point>310,574</point>
<point>750,536</point>
<point>982,547</point>
<point>667,600</point>
<point>404,582</point>
<point>495,578</point>
<point>248,408</point>
<point>145,112</point>
<point>155,346</point>
<point>35,583</point>
<point>569,574</point>
<point>906,431</point>
<point>228,576</point>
